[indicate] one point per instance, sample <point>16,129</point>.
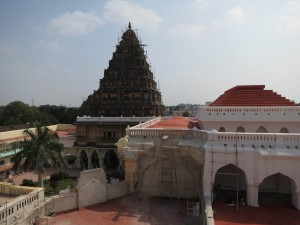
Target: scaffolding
<point>193,212</point>
<point>169,183</point>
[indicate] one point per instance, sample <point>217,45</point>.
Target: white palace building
<point>245,145</point>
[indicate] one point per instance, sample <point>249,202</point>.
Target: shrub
<point>28,183</point>
<point>59,176</point>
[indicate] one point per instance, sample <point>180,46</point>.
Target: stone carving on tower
<point>128,87</point>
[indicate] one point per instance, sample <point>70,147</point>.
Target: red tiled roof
<point>176,122</point>
<point>251,95</point>
<point>8,140</point>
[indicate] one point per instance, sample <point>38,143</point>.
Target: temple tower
<point>128,87</point>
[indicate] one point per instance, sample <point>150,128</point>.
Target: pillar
<point>252,195</point>
<point>101,162</point>
<point>296,199</point>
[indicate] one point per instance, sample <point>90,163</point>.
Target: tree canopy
<point>17,112</point>
<point>39,149</point>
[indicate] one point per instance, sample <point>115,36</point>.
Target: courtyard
<point>128,210</point>
<point>157,211</point>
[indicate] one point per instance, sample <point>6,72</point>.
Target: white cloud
<point>293,6</point>
<point>188,31</point>
<point>49,45</point>
<point>122,12</point>
<point>76,23</point>
<point>198,4</point>
<point>290,20</point>
<point>290,25</point>
<point>235,15</point>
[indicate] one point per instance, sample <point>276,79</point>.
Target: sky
<point>55,51</point>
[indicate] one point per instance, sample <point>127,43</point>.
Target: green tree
<point>186,114</point>
<point>18,112</point>
<point>40,148</point>
<point>61,113</point>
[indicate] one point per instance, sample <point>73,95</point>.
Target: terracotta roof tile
<point>251,95</point>
<point>176,122</point>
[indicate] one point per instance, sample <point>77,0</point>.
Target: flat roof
<point>176,123</point>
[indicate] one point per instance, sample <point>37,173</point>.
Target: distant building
<point>128,87</point>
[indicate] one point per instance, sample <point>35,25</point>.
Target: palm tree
<point>40,148</point>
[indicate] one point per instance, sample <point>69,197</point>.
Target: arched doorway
<point>111,160</point>
<point>84,163</point>
<point>95,160</point>
<point>230,183</point>
<point>71,161</point>
<point>276,189</point>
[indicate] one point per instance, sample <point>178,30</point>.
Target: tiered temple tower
<point>128,87</point>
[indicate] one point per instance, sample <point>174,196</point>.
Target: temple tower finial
<point>129,25</point>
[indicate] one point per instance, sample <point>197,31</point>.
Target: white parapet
<point>88,119</point>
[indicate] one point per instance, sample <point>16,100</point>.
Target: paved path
<point>264,215</point>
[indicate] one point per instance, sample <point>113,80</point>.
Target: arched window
<point>261,129</point>
<point>111,160</point>
<point>240,129</point>
<point>95,160</point>
<point>222,129</point>
<point>284,130</point>
<point>84,163</point>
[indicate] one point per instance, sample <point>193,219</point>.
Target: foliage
<point>59,176</point>
<point>61,113</point>
<point>18,112</point>
<point>40,148</point>
<point>186,114</point>
<point>61,185</point>
<point>28,183</point>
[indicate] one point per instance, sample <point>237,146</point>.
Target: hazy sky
<point>55,51</point>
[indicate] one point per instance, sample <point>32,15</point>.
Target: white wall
<point>256,165</point>
<point>63,203</point>
<point>273,118</point>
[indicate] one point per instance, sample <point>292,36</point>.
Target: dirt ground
<point>128,210</point>
<point>263,215</point>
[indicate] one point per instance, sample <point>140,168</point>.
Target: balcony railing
<point>222,139</point>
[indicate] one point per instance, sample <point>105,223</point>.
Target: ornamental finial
<point>129,25</point>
